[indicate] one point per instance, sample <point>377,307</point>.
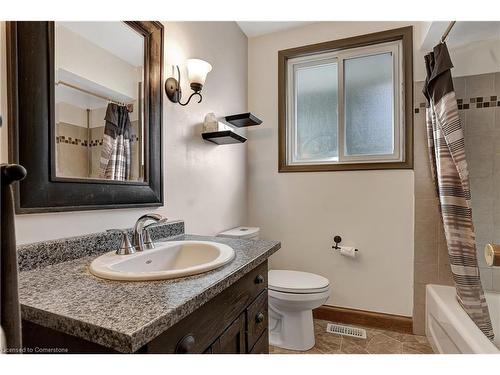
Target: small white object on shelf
<point>210,124</point>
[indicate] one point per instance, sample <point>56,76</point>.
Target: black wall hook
<point>337,239</point>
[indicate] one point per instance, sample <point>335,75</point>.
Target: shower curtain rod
<point>90,92</point>
<point>447,31</point>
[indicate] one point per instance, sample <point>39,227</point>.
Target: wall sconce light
<point>197,73</point>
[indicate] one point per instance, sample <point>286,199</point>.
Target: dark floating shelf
<point>243,119</point>
<point>223,137</point>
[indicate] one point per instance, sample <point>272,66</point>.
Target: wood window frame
<point>404,34</point>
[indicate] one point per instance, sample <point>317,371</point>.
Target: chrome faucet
<point>142,240</point>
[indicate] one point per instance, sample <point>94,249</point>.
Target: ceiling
<point>462,33</point>
<point>115,37</point>
<point>258,28</point>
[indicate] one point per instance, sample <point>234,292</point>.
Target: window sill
<point>343,167</point>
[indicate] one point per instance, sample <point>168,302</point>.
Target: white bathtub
<point>450,330</point>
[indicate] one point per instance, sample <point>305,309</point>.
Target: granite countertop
<point>127,315</point>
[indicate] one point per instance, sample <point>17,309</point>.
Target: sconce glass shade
<point>197,71</point>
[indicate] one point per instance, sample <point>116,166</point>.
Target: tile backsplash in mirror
<point>79,148</point>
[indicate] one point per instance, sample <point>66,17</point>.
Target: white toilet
<point>292,297</point>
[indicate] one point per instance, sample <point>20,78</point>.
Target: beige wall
<point>86,60</point>
<point>204,184</point>
<point>372,210</point>
<point>71,114</point>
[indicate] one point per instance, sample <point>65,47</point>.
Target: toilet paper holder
<point>492,254</point>
<point>337,239</point>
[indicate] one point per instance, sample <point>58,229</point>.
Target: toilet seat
<point>303,298</point>
<point>297,282</point>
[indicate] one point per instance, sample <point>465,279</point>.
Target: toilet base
<point>293,330</point>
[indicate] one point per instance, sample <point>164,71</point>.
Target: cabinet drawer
<point>256,319</point>
<point>262,344</point>
<point>198,331</point>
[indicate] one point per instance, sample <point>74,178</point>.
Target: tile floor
<point>377,341</point>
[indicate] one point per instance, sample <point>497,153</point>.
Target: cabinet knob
<point>259,318</point>
<point>259,279</point>
<point>186,344</point>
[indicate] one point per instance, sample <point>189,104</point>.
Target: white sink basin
<point>167,261</point>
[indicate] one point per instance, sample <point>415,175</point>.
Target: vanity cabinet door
<point>256,319</point>
<point>262,344</point>
<point>232,341</point>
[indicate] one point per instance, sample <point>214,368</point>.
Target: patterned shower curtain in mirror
<point>115,153</point>
<point>450,171</point>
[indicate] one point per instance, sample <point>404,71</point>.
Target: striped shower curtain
<point>449,168</point>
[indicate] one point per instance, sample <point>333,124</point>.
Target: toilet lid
<point>296,282</point>
<point>240,232</point>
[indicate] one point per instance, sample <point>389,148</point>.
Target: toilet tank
<point>246,233</point>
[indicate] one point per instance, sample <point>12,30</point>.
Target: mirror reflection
<point>99,93</point>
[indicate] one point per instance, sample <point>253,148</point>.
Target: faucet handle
<point>146,238</point>
<point>146,234</point>
<point>126,247</point>
<point>148,242</point>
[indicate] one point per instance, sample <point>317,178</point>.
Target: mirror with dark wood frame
<point>85,110</point>
<point>99,108</point>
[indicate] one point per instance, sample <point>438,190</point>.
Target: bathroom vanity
<point>67,309</point>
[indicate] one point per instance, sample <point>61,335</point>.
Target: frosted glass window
<point>316,112</point>
<point>369,105</point>
<point>344,107</point>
